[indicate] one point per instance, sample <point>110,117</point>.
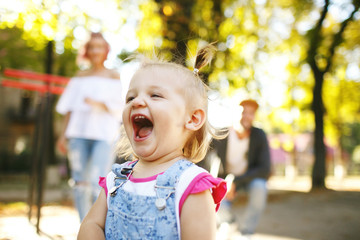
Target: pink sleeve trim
<point>202,182</point>
<point>102,183</point>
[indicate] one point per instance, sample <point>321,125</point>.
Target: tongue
<point>144,131</point>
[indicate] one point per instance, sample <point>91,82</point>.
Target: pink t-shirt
<point>193,180</point>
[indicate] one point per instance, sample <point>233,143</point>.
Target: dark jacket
<point>258,157</point>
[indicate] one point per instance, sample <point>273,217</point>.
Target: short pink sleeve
<point>102,183</point>
<point>205,181</point>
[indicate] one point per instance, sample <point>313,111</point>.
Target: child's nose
<point>139,102</point>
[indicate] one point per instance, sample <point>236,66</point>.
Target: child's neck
<point>144,169</point>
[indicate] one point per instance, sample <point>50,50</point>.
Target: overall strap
<point>165,188</point>
<point>171,176</point>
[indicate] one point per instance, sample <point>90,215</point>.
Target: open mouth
<point>142,126</point>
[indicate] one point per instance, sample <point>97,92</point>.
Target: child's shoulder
<point>193,170</point>
<point>185,170</point>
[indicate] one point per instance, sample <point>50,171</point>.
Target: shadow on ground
<point>319,215</point>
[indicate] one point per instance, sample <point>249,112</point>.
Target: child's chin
<point>143,154</point>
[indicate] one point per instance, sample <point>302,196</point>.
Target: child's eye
<point>129,99</point>
<point>156,95</point>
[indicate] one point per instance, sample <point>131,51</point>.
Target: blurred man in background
<point>245,156</point>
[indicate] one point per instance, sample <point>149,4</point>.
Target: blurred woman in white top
<point>92,104</point>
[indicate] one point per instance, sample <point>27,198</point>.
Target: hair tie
<point>196,71</point>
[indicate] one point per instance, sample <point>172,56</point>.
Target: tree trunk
<point>49,65</point>
<point>315,39</point>
<point>319,168</point>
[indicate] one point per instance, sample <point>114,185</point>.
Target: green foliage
<point>263,50</point>
<point>350,137</point>
<point>65,63</point>
<point>252,37</point>
<point>15,53</point>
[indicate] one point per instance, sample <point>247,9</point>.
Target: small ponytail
<point>204,57</point>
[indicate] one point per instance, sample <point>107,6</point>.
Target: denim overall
<point>132,216</point>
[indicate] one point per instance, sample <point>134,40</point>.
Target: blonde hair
<point>196,95</point>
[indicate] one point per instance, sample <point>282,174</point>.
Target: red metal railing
<point>22,80</point>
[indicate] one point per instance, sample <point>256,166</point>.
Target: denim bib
<point>132,216</point>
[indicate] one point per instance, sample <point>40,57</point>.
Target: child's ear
<point>196,121</point>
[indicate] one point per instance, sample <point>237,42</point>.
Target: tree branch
<point>315,35</point>
<point>338,38</point>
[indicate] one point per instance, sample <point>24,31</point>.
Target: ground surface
<point>292,213</point>
<point>331,215</point>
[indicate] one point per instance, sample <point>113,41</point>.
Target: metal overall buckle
<point>124,171</point>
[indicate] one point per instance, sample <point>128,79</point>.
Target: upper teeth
<point>137,117</point>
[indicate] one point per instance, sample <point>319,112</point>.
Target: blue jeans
<point>257,198</point>
<point>88,159</point>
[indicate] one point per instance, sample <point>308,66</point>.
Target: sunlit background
<point>267,51</point>
<point>263,53</point>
